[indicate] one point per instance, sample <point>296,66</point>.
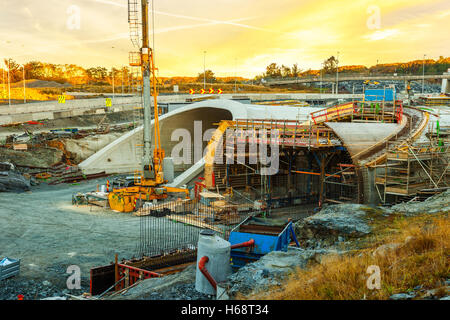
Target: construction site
<point>198,186</point>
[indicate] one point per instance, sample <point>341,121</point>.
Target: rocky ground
<point>336,230</point>
<point>11,288</point>
<point>178,286</point>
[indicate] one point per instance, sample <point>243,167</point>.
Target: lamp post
<point>9,83</point>
<point>204,70</point>
<point>337,73</point>
<point>113,81</point>
<point>24,95</point>
<point>423,73</point>
<point>235,74</point>
<point>123,69</point>
<point>321,77</point>
<point>3,83</point>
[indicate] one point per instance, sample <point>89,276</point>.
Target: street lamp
<point>321,77</point>
<point>9,83</point>
<point>423,72</point>
<point>337,73</point>
<point>204,70</point>
<point>112,71</point>
<point>24,95</point>
<point>235,74</point>
<point>3,82</point>
<point>123,69</point>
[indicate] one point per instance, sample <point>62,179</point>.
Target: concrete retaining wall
<point>50,110</point>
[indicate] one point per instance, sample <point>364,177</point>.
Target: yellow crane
<point>150,185</point>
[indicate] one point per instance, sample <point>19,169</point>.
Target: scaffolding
<point>361,111</point>
<point>413,168</point>
<point>134,22</point>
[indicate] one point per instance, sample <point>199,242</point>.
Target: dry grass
<point>44,94</point>
<point>421,259</point>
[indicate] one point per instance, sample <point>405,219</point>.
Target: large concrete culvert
<point>190,128</point>
<point>124,154</point>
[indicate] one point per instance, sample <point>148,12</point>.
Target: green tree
<point>210,77</point>
<point>273,71</point>
<point>286,71</point>
<point>295,71</point>
<point>15,72</point>
<point>330,65</point>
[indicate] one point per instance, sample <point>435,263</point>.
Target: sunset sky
<point>241,36</point>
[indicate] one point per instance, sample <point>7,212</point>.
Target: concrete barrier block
<point>42,115</point>
<point>5,119</point>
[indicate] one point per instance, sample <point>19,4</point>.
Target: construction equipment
<point>150,183</point>
<point>368,82</point>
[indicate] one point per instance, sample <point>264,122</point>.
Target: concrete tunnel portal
<point>308,174</point>
<point>197,122</point>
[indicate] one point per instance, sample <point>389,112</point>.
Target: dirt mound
<point>34,83</point>
<point>42,157</point>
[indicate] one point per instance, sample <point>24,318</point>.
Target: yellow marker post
<point>108,102</point>
<point>61,99</point>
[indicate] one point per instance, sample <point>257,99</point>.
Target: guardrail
<point>356,76</point>
<point>345,109</point>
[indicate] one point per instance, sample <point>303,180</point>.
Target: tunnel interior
<point>188,130</point>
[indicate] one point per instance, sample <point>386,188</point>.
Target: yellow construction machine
<point>149,184</point>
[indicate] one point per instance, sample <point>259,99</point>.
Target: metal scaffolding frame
<point>412,168</point>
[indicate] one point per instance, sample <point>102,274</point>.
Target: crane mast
<point>149,185</point>
<point>152,163</point>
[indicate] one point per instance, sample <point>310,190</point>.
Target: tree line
<point>76,75</point>
<point>331,65</point>
<point>65,73</point>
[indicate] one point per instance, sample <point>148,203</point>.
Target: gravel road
<point>48,234</point>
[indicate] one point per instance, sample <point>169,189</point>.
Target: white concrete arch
<point>124,154</point>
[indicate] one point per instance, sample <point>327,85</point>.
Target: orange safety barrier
<point>133,275</point>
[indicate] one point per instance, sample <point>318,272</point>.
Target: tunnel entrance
<point>190,127</point>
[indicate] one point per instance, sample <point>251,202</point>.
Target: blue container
<point>387,94</point>
<point>267,239</point>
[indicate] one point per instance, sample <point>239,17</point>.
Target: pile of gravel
<point>32,289</point>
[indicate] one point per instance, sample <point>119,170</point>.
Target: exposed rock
<point>435,204</point>
<point>402,296</point>
<point>270,270</point>
<point>39,157</point>
<point>385,248</point>
<point>335,222</point>
<point>436,293</point>
<point>11,179</point>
